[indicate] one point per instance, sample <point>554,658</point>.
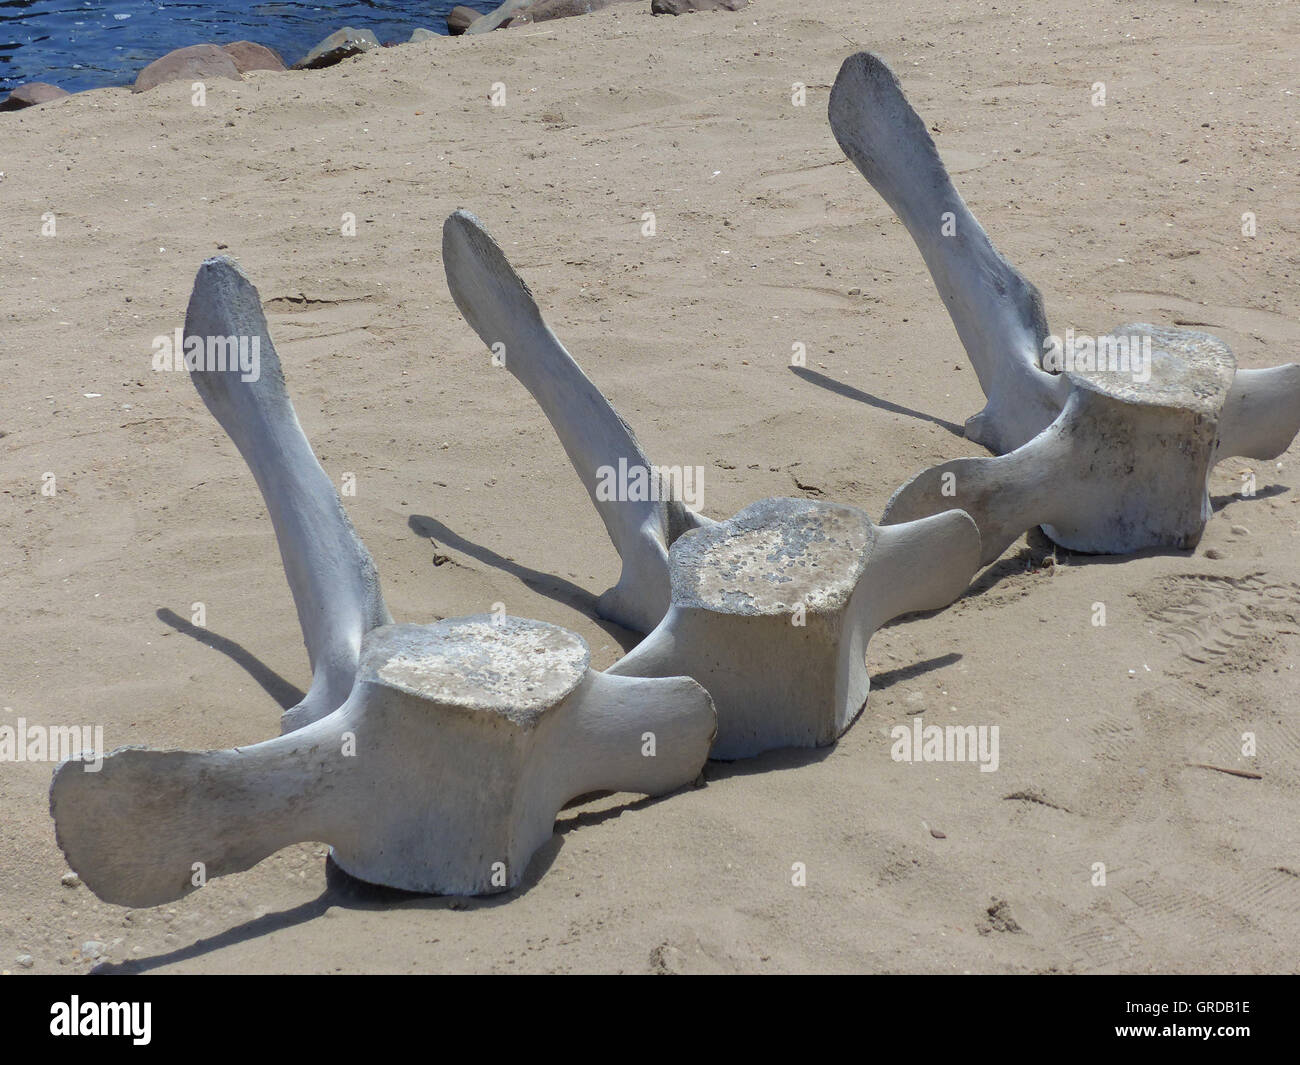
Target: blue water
<point>91,43</point>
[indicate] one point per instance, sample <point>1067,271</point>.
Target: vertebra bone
<point>500,308</point>
<point>443,765</point>
<point>1103,464</point>
<point>770,610</point>
<point>442,772</point>
<point>997,312</point>
<point>331,574</point>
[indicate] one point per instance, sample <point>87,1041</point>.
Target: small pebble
<point>1240,530</point>
<point>937,834</point>
<point>92,949</point>
<point>1214,552</point>
<point>25,960</point>
<point>70,880</point>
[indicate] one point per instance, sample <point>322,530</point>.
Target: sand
<point>765,237</point>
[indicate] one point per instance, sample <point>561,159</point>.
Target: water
<point>92,43</point>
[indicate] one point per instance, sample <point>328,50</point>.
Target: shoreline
<point>186,62</point>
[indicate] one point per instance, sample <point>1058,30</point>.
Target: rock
<point>92,949</point>
<point>421,34</point>
<point>686,7</point>
<point>34,92</point>
<point>70,880</point>
<point>337,47</point>
<point>248,55</point>
<point>499,18</point>
<point>198,62</point>
<point>25,960</point>
<point>545,10</point>
<point>1240,530</point>
<point>459,19</point>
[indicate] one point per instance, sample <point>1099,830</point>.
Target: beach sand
<point>765,237</point>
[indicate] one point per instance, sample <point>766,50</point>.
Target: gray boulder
<point>545,10</point>
<point>337,47</point>
<point>459,19</point>
<point>421,34</point>
<point>498,18</point>
<point>686,7</point>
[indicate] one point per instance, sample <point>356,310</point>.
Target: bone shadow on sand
<point>887,678</point>
<point>547,584</point>
<point>349,893</point>
<point>848,391</point>
<point>1217,503</point>
<point>344,892</point>
<point>1040,547</point>
<point>275,685</point>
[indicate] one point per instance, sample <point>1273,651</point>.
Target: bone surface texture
<point>771,610</point>
<point>333,579</point>
<point>501,309</point>
<point>443,763</point>
<point>1112,456</point>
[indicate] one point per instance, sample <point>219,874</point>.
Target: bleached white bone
<point>443,771</point>
<point>1126,465</point>
<point>1261,415</point>
<point>998,313</point>
<point>333,579</point>
<point>770,610</point>
<point>499,307</point>
<point>442,764</point>
<point>1099,470</point>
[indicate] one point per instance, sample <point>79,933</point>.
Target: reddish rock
<point>248,55</point>
<point>34,92</point>
<point>686,7</point>
<point>198,62</point>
